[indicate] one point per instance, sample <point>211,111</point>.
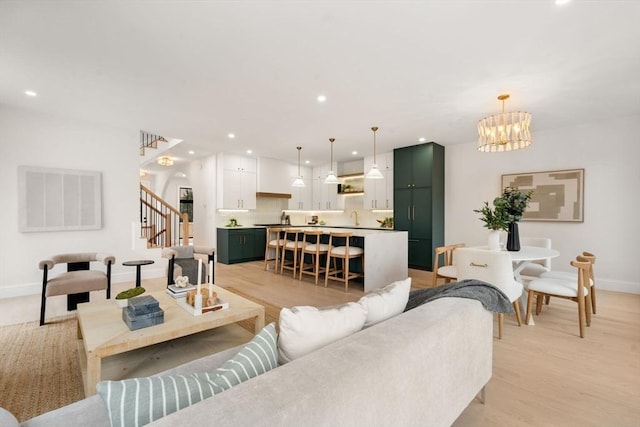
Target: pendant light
<point>298,181</point>
<point>504,131</point>
<point>331,176</point>
<point>374,173</point>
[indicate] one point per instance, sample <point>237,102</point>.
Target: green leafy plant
<point>514,202</point>
<point>387,222</point>
<point>506,209</point>
<point>494,219</point>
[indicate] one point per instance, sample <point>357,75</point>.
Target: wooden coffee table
<point>103,333</point>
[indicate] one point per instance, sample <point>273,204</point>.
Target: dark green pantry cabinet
<point>240,244</point>
<point>418,199</point>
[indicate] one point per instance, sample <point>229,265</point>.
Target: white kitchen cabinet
<point>236,182</point>
<point>325,196</point>
<point>378,193</point>
<point>301,197</point>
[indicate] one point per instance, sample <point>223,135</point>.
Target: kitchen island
<point>385,253</point>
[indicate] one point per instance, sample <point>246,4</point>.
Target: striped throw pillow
<point>139,401</point>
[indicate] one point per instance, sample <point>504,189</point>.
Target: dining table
<point>520,259</point>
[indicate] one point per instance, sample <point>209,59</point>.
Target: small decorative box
<point>138,321</point>
<point>143,304</point>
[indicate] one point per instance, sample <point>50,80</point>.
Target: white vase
<point>494,240</point>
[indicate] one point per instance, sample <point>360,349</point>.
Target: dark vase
<point>513,239</point>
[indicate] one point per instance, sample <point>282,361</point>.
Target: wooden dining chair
<point>493,267</point>
<point>447,270</point>
<point>571,276</point>
<point>573,290</point>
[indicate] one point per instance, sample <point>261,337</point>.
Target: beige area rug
<point>40,369</point>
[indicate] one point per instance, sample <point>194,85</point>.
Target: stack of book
<point>177,292</point>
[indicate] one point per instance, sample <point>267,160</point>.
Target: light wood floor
<point>543,375</point>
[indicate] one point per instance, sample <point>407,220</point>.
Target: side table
<point>138,263</point>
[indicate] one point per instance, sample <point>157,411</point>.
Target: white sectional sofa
<point>420,368</point>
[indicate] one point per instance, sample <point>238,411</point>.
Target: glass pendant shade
<point>331,176</point>
<point>298,182</point>
<point>504,131</point>
<point>374,173</point>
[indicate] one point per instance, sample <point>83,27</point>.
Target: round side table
<point>137,264</point>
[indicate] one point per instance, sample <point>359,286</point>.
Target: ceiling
<point>198,70</point>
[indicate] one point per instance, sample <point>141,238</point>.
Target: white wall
<point>610,154</point>
<point>32,139</point>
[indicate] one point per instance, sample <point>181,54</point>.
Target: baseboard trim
<point>35,288</point>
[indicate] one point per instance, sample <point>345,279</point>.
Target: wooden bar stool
<point>293,244</point>
<point>346,253</point>
<point>313,248</point>
<point>274,242</point>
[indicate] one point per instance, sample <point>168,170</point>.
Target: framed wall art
<point>557,195</point>
<point>58,199</point>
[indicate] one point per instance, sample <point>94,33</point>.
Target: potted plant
<point>495,219</point>
<point>513,203</point>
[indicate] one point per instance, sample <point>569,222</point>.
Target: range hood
<point>274,195</point>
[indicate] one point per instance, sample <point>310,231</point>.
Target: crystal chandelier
<point>165,161</point>
<point>504,131</point>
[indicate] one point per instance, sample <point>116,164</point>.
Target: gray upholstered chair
<point>77,281</point>
<point>183,261</point>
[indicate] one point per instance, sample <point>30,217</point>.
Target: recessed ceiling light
<point>249,151</point>
<point>422,139</point>
<point>561,2</point>
<point>30,93</point>
<point>354,152</point>
<point>231,135</point>
<point>321,98</point>
<point>192,152</point>
<point>307,162</point>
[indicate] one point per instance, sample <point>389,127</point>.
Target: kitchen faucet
<point>355,212</point>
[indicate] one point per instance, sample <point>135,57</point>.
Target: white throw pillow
<point>305,329</point>
<point>386,302</point>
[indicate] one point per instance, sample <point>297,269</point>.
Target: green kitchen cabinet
<point>418,199</point>
<point>240,244</point>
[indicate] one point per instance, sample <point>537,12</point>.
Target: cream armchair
<point>78,281</point>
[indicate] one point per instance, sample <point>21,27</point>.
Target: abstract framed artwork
<point>557,195</point>
<point>52,199</point>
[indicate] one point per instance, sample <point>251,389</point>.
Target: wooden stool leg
<point>500,324</point>
<point>346,274</point>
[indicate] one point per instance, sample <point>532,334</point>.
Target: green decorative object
<point>493,218</point>
<point>130,293</point>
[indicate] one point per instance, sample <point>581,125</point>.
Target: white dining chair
<point>534,269</point>
<point>576,290</point>
<point>493,267</point>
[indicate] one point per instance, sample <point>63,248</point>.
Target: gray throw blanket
<point>492,298</point>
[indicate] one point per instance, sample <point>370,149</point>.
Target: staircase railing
<point>149,140</point>
<point>160,222</point>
